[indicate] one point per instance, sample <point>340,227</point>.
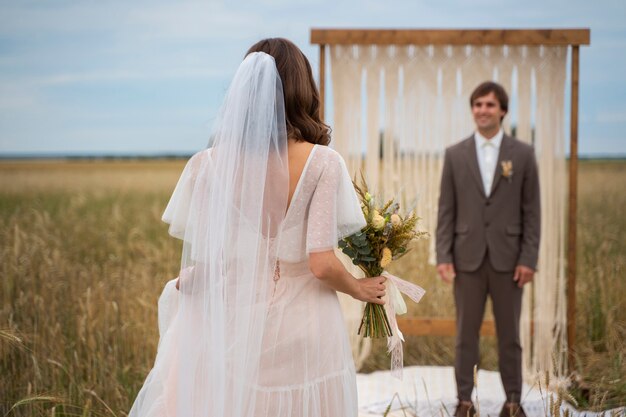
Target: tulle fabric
<point>252,332</point>
<point>228,212</point>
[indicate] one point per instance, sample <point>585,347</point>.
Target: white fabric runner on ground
<point>429,391</point>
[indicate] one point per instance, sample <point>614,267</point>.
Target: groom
<point>487,240</point>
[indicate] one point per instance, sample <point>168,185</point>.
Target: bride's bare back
<point>298,154</point>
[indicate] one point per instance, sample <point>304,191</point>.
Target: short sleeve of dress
<point>178,208</point>
<point>335,211</point>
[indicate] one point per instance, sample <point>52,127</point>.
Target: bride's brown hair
<point>302,100</point>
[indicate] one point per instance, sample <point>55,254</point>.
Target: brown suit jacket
<point>506,224</point>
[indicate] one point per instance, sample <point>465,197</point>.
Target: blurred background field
<point>84,257</point>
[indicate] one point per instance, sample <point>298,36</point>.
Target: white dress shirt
<point>487,151</point>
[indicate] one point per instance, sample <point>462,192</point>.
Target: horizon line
<point>181,155</point>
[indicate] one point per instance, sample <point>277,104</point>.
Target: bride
<point>253,326</point>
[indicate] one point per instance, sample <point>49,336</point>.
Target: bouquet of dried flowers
<point>384,238</point>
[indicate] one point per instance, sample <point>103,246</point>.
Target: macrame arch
<point>400,97</point>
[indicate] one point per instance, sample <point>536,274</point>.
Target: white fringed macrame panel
<point>396,109</point>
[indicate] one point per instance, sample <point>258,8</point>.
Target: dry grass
<point>601,289</point>
<point>84,256</point>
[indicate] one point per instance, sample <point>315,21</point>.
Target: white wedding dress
<point>305,365</point>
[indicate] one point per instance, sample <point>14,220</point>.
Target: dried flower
<point>507,169</point>
<point>396,220</point>
<point>386,257</point>
<point>378,221</point>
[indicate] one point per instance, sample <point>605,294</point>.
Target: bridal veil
<point>228,208</point>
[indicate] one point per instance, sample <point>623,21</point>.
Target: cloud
<point>18,97</point>
<point>30,19</point>
<point>612,116</point>
<point>194,20</point>
<point>189,20</point>
<point>122,75</point>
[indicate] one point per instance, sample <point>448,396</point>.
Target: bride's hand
<point>371,290</point>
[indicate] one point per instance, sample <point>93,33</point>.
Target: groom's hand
<point>446,272</point>
<point>523,275</point>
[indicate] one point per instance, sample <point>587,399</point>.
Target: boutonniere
<point>507,169</point>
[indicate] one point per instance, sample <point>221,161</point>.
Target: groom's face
<point>487,112</point>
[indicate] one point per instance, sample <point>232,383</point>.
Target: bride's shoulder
<point>201,154</point>
<point>328,162</point>
<point>334,162</point>
<point>328,154</point>
<point>199,158</point>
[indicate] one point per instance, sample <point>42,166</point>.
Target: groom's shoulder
<point>520,146</point>
<point>461,145</point>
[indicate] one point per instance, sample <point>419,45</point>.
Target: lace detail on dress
<point>324,207</point>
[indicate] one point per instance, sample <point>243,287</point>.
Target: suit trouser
<point>470,295</point>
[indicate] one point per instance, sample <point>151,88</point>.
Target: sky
<point>89,77</point>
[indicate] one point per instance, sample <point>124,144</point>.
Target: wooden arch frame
<point>573,38</point>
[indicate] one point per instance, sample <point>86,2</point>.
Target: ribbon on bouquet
<point>396,306</point>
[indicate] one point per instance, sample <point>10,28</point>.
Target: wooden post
<point>573,195</point>
<point>322,79</point>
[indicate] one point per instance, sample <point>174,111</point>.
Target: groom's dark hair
<point>302,99</point>
<point>491,87</point>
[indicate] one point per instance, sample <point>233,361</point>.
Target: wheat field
<point>84,257</point>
